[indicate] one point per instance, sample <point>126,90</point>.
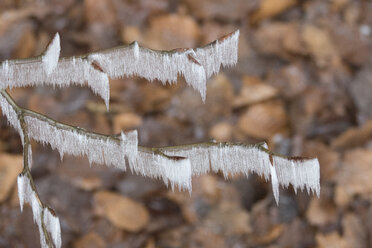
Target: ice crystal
<point>10,114</point>
<point>234,159</point>
<point>51,55</point>
<point>53,226</point>
<point>26,194</point>
<point>195,65</point>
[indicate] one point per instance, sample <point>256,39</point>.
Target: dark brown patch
<point>271,159</point>
<point>177,158</point>
<point>298,158</point>
<point>52,212</point>
<point>192,59</point>
<point>97,66</point>
<point>180,50</point>
<point>225,37</point>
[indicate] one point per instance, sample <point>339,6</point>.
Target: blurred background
<point>303,83</point>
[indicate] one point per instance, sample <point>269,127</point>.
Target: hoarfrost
<point>26,194</point>
<point>51,55</point>
<point>178,166</point>
<point>163,66</point>
<point>100,151</point>
<point>195,65</point>
<point>11,116</point>
<point>275,184</point>
<point>220,52</point>
<point>234,159</point>
<point>53,226</point>
<point>20,73</point>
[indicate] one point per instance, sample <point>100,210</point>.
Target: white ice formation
<point>177,166</point>
<point>27,194</point>
<point>180,165</point>
<point>195,65</point>
<point>51,55</point>
<point>11,115</point>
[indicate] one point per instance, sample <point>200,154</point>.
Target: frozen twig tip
<point>51,55</point>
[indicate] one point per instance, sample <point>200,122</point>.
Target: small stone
<point>10,167</point>
<point>121,211</point>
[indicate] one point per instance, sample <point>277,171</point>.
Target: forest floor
<point>303,84</point>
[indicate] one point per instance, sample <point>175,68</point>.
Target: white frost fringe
<point>234,159</point>
<point>195,65</point>
<point>27,195</point>
<point>70,142</point>
<point>51,55</point>
<point>67,72</point>
<point>229,159</point>
<point>11,116</point>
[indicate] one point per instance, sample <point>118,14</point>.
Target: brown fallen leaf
<point>270,236</point>
<point>321,213</point>
<point>331,240</point>
<point>328,158</point>
<point>263,120</point>
<point>282,39</point>
<point>221,132</point>
<point>126,121</point>
<point>10,167</point>
<point>253,90</point>
<point>102,12</point>
<point>172,31</point>
<point>26,45</point>
<point>90,240</point>
<point>354,177</point>
<point>353,231</point>
<point>271,8</point>
<point>353,137</point>
<point>321,46</point>
<point>230,218</point>
<point>121,211</point>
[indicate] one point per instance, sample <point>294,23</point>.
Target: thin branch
<point>174,164</point>
<point>116,138</point>
<point>229,158</point>
<point>27,173</point>
<point>195,65</point>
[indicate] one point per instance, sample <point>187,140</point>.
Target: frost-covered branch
<point>175,165</point>
<point>95,69</point>
<point>45,218</point>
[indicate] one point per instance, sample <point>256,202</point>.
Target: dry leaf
<point>263,120</point>
<point>121,211</point>
<point>10,167</point>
